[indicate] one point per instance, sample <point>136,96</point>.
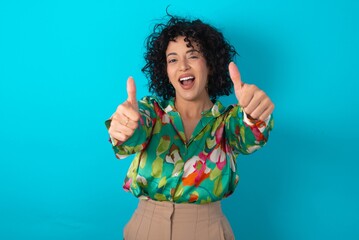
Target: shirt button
<point>176,174</point>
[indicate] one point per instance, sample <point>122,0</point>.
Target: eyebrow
<point>189,51</point>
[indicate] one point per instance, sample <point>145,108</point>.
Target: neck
<point>192,109</point>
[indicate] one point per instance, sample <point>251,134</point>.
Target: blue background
<point>63,68</point>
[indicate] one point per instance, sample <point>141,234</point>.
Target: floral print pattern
<point>202,169</point>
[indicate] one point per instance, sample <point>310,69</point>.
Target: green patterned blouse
<point>200,170</point>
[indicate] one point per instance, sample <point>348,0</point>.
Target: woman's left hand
<point>253,100</point>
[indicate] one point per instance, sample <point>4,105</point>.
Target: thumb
<point>131,92</point>
<point>235,77</point>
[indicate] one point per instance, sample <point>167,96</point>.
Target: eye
<point>193,56</point>
<point>172,60</point>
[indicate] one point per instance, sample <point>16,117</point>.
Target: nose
<point>184,66</point>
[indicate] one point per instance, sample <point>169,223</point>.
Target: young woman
<point>186,142</point>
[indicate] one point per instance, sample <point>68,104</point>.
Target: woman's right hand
<point>125,120</point>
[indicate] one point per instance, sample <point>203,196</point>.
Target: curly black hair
<point>215,49</point>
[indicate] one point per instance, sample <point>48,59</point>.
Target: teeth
<point>186,78</point>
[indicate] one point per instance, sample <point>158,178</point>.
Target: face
<point>187,70</point>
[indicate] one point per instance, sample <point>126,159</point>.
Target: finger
<point>126,110</point>
<point>131,114</point>
<point>262,108</point>
<point>132,125</point>
<point>123,119</point>
<point>115,132</point>
<point>124,129</point>
<point>119,136</point>
<point>267,112</point>
<point>235,76</point>
<point>131,91</point>
<point>258,111</point>
<point>246,96</point>
<point>258,97</point>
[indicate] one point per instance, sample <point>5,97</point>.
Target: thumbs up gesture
<point>125,119</point>
<point>253,100</point>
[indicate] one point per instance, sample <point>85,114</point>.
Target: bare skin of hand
<point>125,119</point>
<point>253,100</point>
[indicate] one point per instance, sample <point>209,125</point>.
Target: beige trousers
<point>154,220</point>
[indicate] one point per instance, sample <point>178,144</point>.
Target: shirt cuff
<point>259,123</point>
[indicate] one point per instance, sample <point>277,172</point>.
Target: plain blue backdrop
<point>63,69</point>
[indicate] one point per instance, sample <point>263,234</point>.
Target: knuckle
<point>244,87</point>
<point>260,92</point>
<point>252,86</point>
<point>114,123</point>
<point>119,108</point>
<point>266,101</point>
<point>114,118</point>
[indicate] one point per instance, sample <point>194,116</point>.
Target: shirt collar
<point>216,110</point>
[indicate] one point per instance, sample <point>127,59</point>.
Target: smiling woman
<point>199,37</point>
<point>186,142</point>
<point>187,72</point>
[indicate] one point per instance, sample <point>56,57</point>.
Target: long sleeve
<point>139,140</point>
<point>200,170</point>
<point>245,135</point>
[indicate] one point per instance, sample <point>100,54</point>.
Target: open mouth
<point>187,81</point>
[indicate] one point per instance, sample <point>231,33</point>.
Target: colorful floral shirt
<point>202,169</point>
